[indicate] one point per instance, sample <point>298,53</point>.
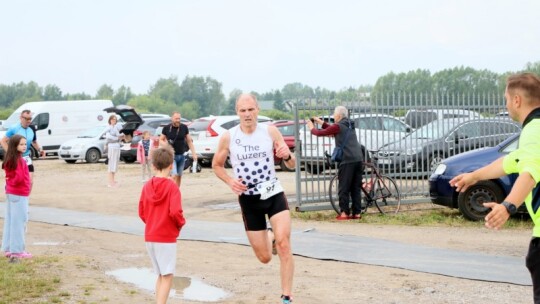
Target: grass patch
<point>28,279</point>
<point>442,217</point>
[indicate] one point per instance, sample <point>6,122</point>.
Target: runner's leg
<point>261,245</point>
<point>281,224</point>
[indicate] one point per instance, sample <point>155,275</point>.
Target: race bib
<point>28,160</point>
<point>269,188</point>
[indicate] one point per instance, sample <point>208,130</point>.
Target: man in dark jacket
<point>350,169</point>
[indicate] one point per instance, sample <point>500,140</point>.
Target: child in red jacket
<point>160,208</point>
<point>18,187</point>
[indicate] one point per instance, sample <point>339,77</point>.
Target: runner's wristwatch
<point>511,208</point>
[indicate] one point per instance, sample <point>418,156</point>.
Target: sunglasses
<point>26,118</point>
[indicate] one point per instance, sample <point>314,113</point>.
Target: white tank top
<point>252,156</point>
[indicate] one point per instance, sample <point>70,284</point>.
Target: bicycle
<point>379,190</point>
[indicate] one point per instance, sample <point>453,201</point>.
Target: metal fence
<point>406,135</point>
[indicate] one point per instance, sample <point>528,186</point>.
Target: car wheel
<point>129,160</point>
<point>284,168</point>
<point>433,161</point>
<point>92,156</point>
<point>70,161</point>
<point>34,153</point>
<point>470,202</point>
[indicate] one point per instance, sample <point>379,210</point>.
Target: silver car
<point>88,146</point>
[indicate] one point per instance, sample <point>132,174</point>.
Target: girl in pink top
<point>18,187</point>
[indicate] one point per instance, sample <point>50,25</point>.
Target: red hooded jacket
<point>18,180</point>
<point>160,208</point>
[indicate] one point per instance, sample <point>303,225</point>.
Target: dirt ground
<point>86,255</point>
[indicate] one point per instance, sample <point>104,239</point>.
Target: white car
<point>206,132</point>
<point>89,146</point>
<point>372,130</point>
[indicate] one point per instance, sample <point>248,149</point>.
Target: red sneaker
<point>356,217</point>
<point>342,217</point>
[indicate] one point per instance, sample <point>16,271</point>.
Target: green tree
<point>278,102</point>
<point>22,92</point>
<point>105,92</point>
<point>402,84</point>
<point>122,95</point>
<point>152,104</point>
<point>77,96</point>
<point>532,67</point>
<point>277,114</point>
<point>206,92</point>
<point>296,90</point>
<point>190,110</point>
<point>230,108</point>
<point>7,95</point>
<point>52,92</point>
<point>167,89</point>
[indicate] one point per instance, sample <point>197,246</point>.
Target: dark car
<point>132,121</point>
<point>286,128</point>
<point>470,201</point>
<point>150,125</point>
<point>422,150</point>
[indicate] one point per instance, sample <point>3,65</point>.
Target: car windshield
<point>434,130</point>
<point>287,130</point>
<point>92,132</point>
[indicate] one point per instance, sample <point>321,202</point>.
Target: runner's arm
<point>282,150</point>
<point>218,165</point>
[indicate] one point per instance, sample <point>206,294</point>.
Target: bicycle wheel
<point>333,191</point>
<point>386,195</point>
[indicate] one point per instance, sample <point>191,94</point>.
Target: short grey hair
<point>250,95</point>
<point>341,110</point>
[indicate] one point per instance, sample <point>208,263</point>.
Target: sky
<point>258,45</point>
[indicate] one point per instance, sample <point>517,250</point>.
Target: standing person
<point>177,135</point>
<point>250,146</point>
<point>18,185</point>
<point>113,137</point>
<point>143,155</point>
<point>24,129</point>
<point>523,104</point>
<point>350,169</point>
<point>160,208</point>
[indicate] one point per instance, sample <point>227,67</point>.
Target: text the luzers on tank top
<point>246,152</point>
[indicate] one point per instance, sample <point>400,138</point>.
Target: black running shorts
<point>254,210</point>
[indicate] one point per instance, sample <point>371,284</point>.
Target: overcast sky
<point>258,45</point>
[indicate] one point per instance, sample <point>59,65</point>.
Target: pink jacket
<point>140,153</point>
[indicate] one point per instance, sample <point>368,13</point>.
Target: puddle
<point>48,243</point>
<point>182,288</point>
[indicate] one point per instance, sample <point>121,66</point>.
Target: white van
<point>59,121</point>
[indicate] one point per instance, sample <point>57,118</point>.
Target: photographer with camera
<point>350,168</point>
<point>177,136</point>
